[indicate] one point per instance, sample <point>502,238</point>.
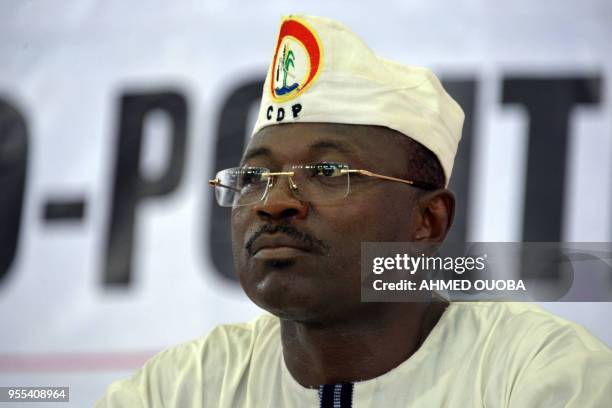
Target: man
<point>351,148</point>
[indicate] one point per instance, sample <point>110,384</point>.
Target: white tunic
<point>478,355</point>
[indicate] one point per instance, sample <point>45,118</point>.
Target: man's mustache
<point>313,244</point>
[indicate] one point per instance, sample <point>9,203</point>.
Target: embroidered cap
<point>322,72</point>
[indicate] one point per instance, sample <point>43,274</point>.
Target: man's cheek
<point>239,222</point>
<point>353,219</point>
<point>383,223</point>
<point>238,229</point>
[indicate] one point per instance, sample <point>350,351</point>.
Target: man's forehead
<point>304,138</point>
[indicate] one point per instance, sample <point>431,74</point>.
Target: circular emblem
<point>297,60</point>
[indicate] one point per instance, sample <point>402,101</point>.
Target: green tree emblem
<point>287,62</point>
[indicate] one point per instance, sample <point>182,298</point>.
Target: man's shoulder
<point>517,350</point>
<point>178,375</point>
<point>510,334</point>
<point>234,340</point>
<point>516,321</point>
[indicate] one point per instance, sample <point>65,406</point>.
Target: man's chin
<point>298,289</point>
<point>289,297</point>
<point>315,315</point>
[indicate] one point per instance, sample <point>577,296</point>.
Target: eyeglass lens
<point>319,182</point>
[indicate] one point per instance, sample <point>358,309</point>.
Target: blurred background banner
<point>113,116</point>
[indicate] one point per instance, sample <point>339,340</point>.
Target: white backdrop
<point>64,67</point>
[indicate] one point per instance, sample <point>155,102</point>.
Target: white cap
<point>322,72</point>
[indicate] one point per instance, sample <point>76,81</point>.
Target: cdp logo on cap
<point>297,60</point>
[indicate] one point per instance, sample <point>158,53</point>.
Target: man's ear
<point>433,215</point>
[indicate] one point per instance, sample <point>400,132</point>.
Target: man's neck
<point>348,351</point>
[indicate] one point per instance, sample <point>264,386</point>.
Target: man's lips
<point>278,245</point>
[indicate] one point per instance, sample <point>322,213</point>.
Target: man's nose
<point>281,202</point>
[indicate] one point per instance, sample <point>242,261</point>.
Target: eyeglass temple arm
<point>419,184</point>
<point>217,183</point>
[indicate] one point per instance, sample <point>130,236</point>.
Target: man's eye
<point>247,178</point>
<point>329,169</point>
<point>251,177</point>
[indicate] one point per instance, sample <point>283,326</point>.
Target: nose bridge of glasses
<point>272,176</point>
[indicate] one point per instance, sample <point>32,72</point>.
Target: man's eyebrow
<point>259,151</point>
<point>332,145</point>
<point>337,145</point>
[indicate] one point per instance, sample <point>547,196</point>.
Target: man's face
<point>301,260</point>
